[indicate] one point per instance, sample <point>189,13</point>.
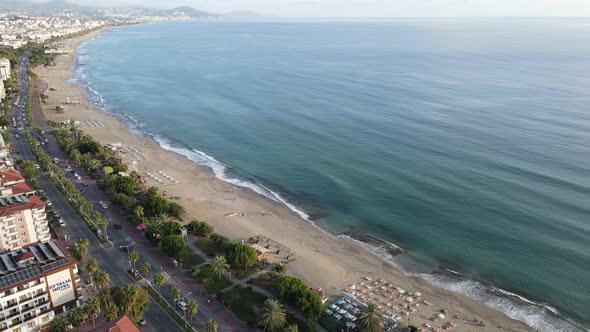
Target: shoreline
<point>324,259</point>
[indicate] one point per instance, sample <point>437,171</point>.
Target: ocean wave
<point>540,316</point>
<point>537,315</point>
<point>220,171</point>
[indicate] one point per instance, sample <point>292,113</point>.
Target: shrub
<point>199,228</point>
<point>239,254</point>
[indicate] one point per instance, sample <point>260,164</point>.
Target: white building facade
<point>36,283</point>
<point>22,221</point>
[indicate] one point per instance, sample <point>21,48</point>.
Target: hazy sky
<point>379,8</point>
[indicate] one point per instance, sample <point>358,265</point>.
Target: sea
<point>465,142</point>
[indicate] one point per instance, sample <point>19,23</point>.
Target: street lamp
<point>127,247</point>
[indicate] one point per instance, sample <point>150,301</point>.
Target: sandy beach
<point>322,259</point>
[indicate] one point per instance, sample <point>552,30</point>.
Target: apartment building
<point>4,69</point>
<point>36,283</point>
<point>22,221</point>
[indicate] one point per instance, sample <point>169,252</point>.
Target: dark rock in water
<point>391,248</point>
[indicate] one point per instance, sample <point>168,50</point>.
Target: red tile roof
<point>34,203</point>
<point>21,188</point>
<point>123,324</point>
<point>10,176</point>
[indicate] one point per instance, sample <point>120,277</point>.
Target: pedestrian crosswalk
<point>94,123</point>
<point>116,243</point>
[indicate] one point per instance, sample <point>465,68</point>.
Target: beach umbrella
<point>409,299</point>
<point>441,316</point>
<point>418,294</point>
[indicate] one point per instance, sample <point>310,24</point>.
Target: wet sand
<point>320,258</point>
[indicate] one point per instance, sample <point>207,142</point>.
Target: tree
<point>131,300</point>
<point>172,245</point>
<point>295,291</point>
<point>91,267</point>
<point>92,309</point>
<point>58,324</point>
<point>218,265</point>
<point>292,328</point>
<point>76,317</point>
<point>102,278</point>
<point>7,136</point>
<point>174,292</point>
<point>159,280</point>
<point>83,246</point>
<point>111,312</point>
<point>371,320</point>
<point>107,170</point>
<point>27,169</point>
<point>272,316</point>
<point>104,297</point>
<point>192,307</point>
<point>211,326</point>
<point>240,254</point>
<point>146,268</point>
<point>134,257</point>
<point>199,228</point>
<point>138,212</point>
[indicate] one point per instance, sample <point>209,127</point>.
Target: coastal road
<point>112,261</point>
<point>208,308</point>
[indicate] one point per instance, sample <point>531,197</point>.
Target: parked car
<point>62,223</point>
<point>181,305</point>
<point>48,203</point>
<point>141,321</point>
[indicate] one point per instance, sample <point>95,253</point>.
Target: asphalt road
<point>111,260</point>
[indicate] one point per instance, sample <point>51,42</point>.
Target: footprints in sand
<point>94,123</point>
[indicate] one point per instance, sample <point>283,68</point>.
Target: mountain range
<point>58,6</point>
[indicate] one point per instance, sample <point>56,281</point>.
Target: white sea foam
<point>380,251</point>
<point>536,315</point>
<point>220,171</point>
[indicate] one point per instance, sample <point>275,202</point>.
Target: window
<point>16,329</point>
<point>31,324</point>
<point>45,319</point>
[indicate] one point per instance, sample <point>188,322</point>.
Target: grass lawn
<point>190,258</point>
<point>210,281</point>
<point>241,301</point>
<point>208,246</point>
<point>241,273</point>
<point>266,281</point>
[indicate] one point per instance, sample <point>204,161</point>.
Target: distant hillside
<point>56,6</point>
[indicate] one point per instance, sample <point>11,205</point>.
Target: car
<point>78,177</point>
<point>48,203</point>
<point>36,165</point>
<point>56,160</point>
<point>62,223</point>
<point>181,305</point>
<point>103,204</point>
<point>141,321</point>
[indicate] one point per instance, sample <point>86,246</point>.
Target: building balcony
<point>10,305</point>
<point>14,314</point>
<point>27,308</point>
<point>39,294</point>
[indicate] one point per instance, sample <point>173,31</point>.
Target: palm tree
<point>211,326</point>
<point>272,316</point>
<point>146,267</point>
<point>192,308</point>
<point>104,297</point>
<point>219,264</point>
<point>133,257</point>
<point>102,278</point>
<point>371,320</point>
<point>83,246</point>
<point>292,328</point>
<point>138,212</point>
<point>92,309</point>
<point>159,280</point>
<point>174,292</point>
<point>111,312</point>
<point>91,266</point>
<point>76,317</point>
<point>58,324</point>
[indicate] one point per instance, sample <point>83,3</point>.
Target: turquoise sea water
<point>466,141</point>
